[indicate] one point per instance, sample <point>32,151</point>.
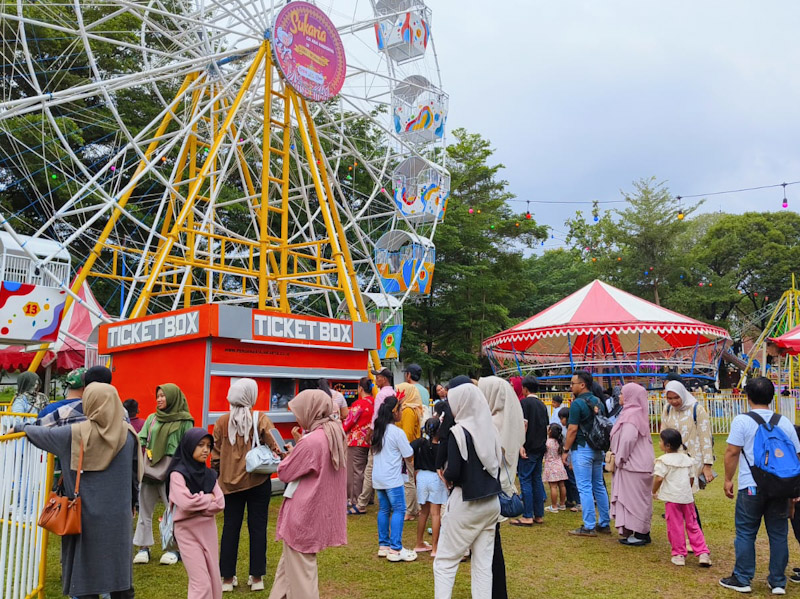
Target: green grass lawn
<point>541,562</point>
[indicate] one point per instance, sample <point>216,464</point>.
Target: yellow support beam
<point>188,207</point>
<point>350,287</point>
<point>117,211</point>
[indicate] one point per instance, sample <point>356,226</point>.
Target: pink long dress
<point>632,486</point>
<point>316,515</point>
<point>196,534</point>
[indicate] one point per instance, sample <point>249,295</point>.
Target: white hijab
<point>242,396</point>
<point>687,399</point>
<point>471,413</point>
<point>508,419</point>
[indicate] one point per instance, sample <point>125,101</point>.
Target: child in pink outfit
<point>554,471</point>
<point>195,496</point>
<point>673,479</point>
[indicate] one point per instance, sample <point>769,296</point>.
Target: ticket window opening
<point>282,391</point>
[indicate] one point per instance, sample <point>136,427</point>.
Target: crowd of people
<point>451,463</point>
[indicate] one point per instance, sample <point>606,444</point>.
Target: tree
<point>637,249</point>
<point>742,261</point>
<point>478,266</point>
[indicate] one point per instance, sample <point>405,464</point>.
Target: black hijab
<point>197,475</point>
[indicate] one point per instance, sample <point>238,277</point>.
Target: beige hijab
<point>104,432</point>
<point>242,396</point>
<point>471,412</point>
<point>409,395</point>
<point>687,399</point>
<point>508,420</point>
<point>314,408</point>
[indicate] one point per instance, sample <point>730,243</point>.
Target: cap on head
<point>414,371</point>
<point>75,378</point>
<point>384,372</point>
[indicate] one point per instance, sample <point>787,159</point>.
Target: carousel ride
<point>284,156</point>
<point>616,336</point>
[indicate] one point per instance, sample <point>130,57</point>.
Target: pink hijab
<point>635,410</point>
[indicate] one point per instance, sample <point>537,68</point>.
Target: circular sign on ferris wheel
<point>309,51</point>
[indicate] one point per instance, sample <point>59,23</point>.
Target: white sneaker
<point>255,586</point>
<point>704,559</point>
<point>227,587</point>
<point>142,556</point>
<point>776,590</point>
<point>678,560</point>
<point>404,555</point>
<point>169,558</point>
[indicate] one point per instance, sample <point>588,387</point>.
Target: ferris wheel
<point>187,151</point>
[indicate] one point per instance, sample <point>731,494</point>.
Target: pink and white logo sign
<point>309,51</point>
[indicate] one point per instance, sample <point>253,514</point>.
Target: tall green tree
<point>479,260</point>
<point>635,247</point>
<point>742,260</point>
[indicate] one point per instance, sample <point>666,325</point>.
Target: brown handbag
<point>62,515</point>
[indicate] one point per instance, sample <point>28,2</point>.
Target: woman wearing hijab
<point>508,421</point>
<point>160,436</point>
<point>411,421</point>
<point>316,475</point>
<point>632,486</point>
<point>197,498</point>
<point>686,415</point>
<point>28,399</point>
<point>474,457</point>
<point>233,438</point>
<point>98,560</point>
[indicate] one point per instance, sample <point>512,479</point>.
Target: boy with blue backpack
<point>764,445</point>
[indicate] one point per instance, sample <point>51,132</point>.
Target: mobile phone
<point>278,439</point>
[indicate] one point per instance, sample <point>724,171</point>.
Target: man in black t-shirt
<point>529,467</point>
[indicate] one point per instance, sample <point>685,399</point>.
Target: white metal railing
<point>25,476</point>
<point>722,408</point>
<point>21,269</point>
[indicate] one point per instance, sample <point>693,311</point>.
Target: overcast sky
<point>580,98</point>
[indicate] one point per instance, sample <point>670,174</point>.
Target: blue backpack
<point>775,467</point>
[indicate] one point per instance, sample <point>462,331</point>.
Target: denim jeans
<point>393,507</point>
<point>529,471</point>
<point>749,511</point>
<point>588,466</point>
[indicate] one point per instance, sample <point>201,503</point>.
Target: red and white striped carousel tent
<point>611,333</point>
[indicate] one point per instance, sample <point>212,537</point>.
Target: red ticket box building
<point>203,348</point>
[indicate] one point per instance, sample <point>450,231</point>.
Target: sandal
<point>425,547</point>
<point>520,523</point>
<point>354,511</point>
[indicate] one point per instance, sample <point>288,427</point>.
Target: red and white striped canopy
<point>602,319</point>
<point>789,341</point>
